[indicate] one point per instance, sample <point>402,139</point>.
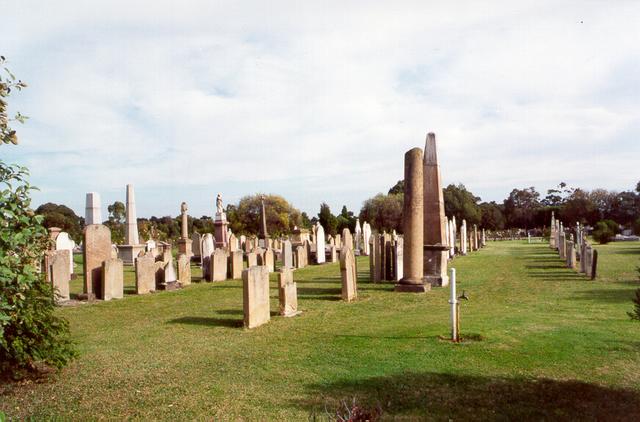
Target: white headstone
<point>63,242</point>
<point>320,255</point>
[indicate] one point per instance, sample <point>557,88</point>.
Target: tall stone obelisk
<point>92,211</point>
<point>132,247</point>
<point>263,236</point>
<point>412,224</point>
<point>435,236</point>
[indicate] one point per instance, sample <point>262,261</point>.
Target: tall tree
<point>462,204</point>
<point>521,206</point>
<point>63,217</point>
<point>327,220</point>
<point>383,212</point>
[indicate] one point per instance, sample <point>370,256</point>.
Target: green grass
<point>545,343</point>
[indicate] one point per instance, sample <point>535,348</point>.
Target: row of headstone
<point>573,248</point>
<point>386,257</point>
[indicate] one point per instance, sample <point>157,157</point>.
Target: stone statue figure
<point>219,204</point>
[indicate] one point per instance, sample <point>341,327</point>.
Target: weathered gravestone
<point>208,246</point>
<point>256,307</point>
<point>113,283</point>
<point>333,255</point>
<point>170,277</point>
<point>236,265</point>
<point>300,256</point>
<point>287,254</point>
<point>571,255</point>
<point>184,269</point>
<point>97,249</point>
<point>252,259</point>
<point>347,239</point>
<point>287,293</point>
<point>320,254</point>
<point>59,274</point>
<point>349,275</point>
<point>267,259</point>
<point>398,256</point>
<point>145,274</point>
<point>219,265</point>
<point>63,242</point>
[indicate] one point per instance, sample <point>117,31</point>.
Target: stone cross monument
<point>435,237</point>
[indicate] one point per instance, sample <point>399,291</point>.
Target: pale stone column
<point>131,233</point>
<point>413,224</point>
<point>435,239</point>
<point>463,237</point>
<point>185,221</point>
<point>92,211</point>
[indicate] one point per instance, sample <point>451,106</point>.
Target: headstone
<point>145,274</point>
<point>588,262</point>
<point>320,254</point>
<point>594,264</point>
<point>358,235</point>
<point>552,235</point>
<point>562,246</point>
<point>375,259</point>
<point>170,276</point>
<point>63,242</point>
<point>301,252</point>
<point>463,237</point>
<point>219,265</point>
<point>184,269</point>
<point>97,249</point>
<point>206,250</point>
<point>236,265</point>
<point>113,276</point>
<point>571,255</point>
<point>256,307</point>
<point>59,274</point>
<point>92,213</point>
<point>268,260</point>
<point>366,238</point>
<point>287,254</point>
<point>348,274</point>
<point>196,242</point>
<point>252,259</point>
<point>347,239</point>
<point>333,255</point>
<point>398,259</point>
<point>233,243</point>
<point>287,293</point>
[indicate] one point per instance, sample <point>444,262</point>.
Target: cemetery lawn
<point>542,343</point>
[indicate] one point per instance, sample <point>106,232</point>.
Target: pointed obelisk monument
<point>412,225</point>
<point>435,236</point>
<point>132,247</point>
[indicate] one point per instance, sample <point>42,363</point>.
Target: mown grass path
<point>544,343</point>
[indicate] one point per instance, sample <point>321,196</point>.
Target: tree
<point>63,217</point>
<point>117,213</point>
<point>281,216</point>
<point>327,220</point>
<point>31,333</point>
<point>397,188</point>
<point>604,231</point>
<point>579,208</point>
<point>624,208</point>
<point>8,84</point>
<point>521,206</point>
<point>492,216</point>
<point>462,204</point>
<point>383,212</point>
<point>557,196</point>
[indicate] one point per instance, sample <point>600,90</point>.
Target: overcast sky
<point>319,102</point>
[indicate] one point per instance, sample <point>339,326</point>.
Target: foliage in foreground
<point>30,333</point>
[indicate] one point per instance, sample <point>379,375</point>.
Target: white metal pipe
<point>453,301</point>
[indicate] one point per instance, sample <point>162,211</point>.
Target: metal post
<point>454,309</point>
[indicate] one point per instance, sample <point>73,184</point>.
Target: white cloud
<point>319,102</point>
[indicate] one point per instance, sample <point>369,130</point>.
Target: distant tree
<point>603,201</point>
<point>492,216</point>
<point>204,224</point>
<point>521,206</point>
<point>305,221</point>
<point>579,208</point>
<point>117,214</point>
<point>281,216</point>
<point>63,217</point>
<point>604,231</point>
<point>557,196</point>
<point>397,188</point>
<point>624,208</point>
<point>346,219</point>
<point>327,220</point>
<point>383,212</point>
<point>462,204</point>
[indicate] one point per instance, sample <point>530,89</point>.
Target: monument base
<point>129,253</point>
<point>184,247</point>
<point>220,232</point>
<point>175,285</point>
<point>436,280</point>
<point>412,288</point>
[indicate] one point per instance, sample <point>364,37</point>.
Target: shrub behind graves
<point>604,231</point>
<point>31,335</point>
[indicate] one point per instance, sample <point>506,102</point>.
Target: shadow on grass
<point>621,295</point>
<point>427,395</point>
<point>627,251</point>
<point>208,322</point>
<point>319,291</point>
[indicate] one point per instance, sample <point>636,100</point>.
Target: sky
<point>319,101</point>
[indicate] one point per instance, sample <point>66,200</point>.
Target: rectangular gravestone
<point>219,265</point>
<point>287,293</point>
<point>398,256</point>
<point>145,274</point>
<point>256,306</point>
<point>60,273</point>
<point>184,269</point>
<point>236,265</point>
<point>268,260</point>
<point>348,272</point>
<point>113,279</point>
<point>333,255</point>
<point>252,259</point>
<point>97,249</point>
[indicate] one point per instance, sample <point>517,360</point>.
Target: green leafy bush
<point>31,335</point>
<point>604,231</point>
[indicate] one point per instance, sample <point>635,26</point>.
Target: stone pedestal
<point>184,247</point>
<point>221,233</point>
<point>129,253</point>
